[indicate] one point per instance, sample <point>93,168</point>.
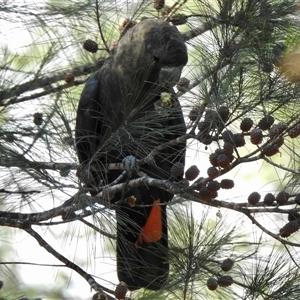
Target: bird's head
<point>153,43</point>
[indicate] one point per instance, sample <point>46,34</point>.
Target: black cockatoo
<point>128,108</point>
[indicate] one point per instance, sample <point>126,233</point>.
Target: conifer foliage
<point>229,238</point>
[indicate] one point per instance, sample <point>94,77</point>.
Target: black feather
<point>121,113</point>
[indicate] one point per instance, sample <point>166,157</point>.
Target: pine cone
<point>183,84</point>
<point>269,199</point>
<point>277,129</point>
<point>204,126</point>
<point>246,124</point>
<point>213,158</point>
<point>228,149</point>
<point>121,290</point>
<point>289,228</point>
<point>223,112</point>
<point>282,197</point>
<point>212,284</point>
<point>225,281</point>
<point>192,173</point>
<point>38,119</point>
<point>213,194</point>
<point>266,122</point>
<point>214,185</point>
<point>177,169</point>
<point>213,172</point>
<point>238,140</point>
<point>205,139</point>
<point>227,184</point>
<point>69,77</point>
<point>294,131</point>
<point>90,46</point>
<point>205,193</point>
<point>223,161</point>
<point>293,216</point>
<point>228,136</point>
<point>270,149</point>
<point>253,198</point>
<point>194,113</point>
<point>227,264</point>
<point>256,136</point>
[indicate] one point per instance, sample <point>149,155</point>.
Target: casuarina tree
<point>161,135</point>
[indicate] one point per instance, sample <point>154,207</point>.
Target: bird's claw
<point>129,163</point>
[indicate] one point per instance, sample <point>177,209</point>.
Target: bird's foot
<point>129,163</point>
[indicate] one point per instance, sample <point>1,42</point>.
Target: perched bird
<point>128,108</point>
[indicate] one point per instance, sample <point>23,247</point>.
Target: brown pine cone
<point>69,77</point>
<point>205,193</point>
<point>213,158</point>
<point>223,161</point>
<point>269,199</point>
<point>224,112</point>
<point>212,284</point>
<point>213,172</point>
<point>238,140</point>
<point>227,264</point>
<point>277,129</point>
<point>90,46</point>
<point>294,131</point>
<point>225,281</point>
<point>38,119</point>
<point>293,216</point>
<point>228,136</point>
<point>289,228</point>
<point>192,173</point>
<point>121,290</point>
<point>282,197</point>
<point>228,149</point>
<point>205,139</point>
<point>266,122</point>
<point>246,124</point>
<point>183,84</point>
<point>194,113</point>
<point>204,126</point>
<point>214,185</point>
<point>227,184</point>
<point>256,136</point>
<point>270,149</point>
<point>177,169</point>
<point>253,198</point>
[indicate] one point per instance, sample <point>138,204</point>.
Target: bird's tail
<point>142,250</point>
